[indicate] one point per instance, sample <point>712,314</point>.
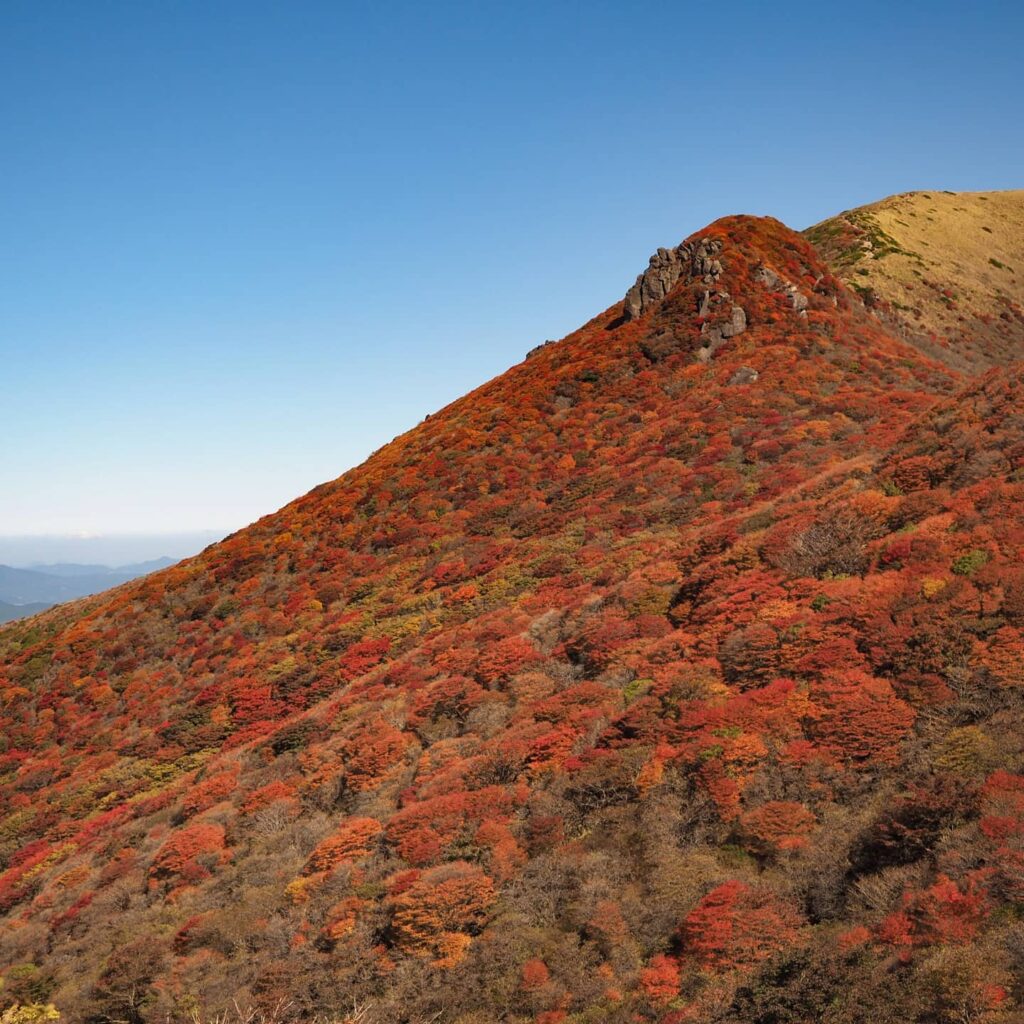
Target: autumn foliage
<point>636,686</point>
<point>735,926</point>
<point>351,842</point>
<point>433,913</point>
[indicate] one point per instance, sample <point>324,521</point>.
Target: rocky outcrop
<point>774,283</point>
<point>744,375</point>
<point>714,334</point>
<point>539,348</point>
<point>692,260</point>
<point>697,264</point>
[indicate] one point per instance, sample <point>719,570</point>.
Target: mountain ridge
<point>940,269</point>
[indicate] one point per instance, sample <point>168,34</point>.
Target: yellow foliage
<point>297,890</point>
<point>74,877</point>
<point>451,948</point>
<point>772,611</point>
<point>650,775</point>
<point>29,1014</point>
<point>966,750</point>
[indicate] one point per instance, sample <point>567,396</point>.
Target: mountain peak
<point>714,281</point>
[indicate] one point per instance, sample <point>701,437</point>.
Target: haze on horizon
<point>29,551</point>
<point>241,251</point>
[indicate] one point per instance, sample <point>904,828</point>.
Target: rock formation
<point>697,259</point>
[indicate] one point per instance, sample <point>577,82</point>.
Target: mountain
<point>45,585</point>
<point>674,675</point>
<point>9,612</point>
<point>76,569</point>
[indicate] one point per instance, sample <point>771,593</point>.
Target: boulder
<point>744,375</point>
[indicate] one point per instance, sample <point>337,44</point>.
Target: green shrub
<point>970,563</point>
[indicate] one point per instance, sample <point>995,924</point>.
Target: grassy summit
<point>945,268</point>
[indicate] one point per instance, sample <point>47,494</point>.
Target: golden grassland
<point>938,264</point>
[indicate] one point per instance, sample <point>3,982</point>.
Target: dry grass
<point>280,1014</point>
<point>284,1013</point>
<point>941,262</point>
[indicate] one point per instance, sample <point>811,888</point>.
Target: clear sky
<point>243,244</point>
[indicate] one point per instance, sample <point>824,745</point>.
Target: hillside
<point>943,269</point>
<point>674,675</point>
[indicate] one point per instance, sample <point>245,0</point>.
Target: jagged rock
<point>710,269</point>
<point>695,259</point>
<point>744,375</point>
<point>696,263</point>
<point>710,300</point>
<point>716,333</point>
<point>737,324</point>
<point>774,283</point>
<point>766,276</point>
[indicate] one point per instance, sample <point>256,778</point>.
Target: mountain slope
<point>673,675</point>
<point>943,269</point>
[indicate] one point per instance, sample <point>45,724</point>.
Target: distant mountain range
<point>37,551</point>
<point>10,612</point>
<point>30,590</point>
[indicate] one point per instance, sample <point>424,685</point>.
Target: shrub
<point>737,926</point>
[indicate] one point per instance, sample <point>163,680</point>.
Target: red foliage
<point>210,791</point>
<point>736,926</point>
<point>618,605</point>
<point>861,720</point>
<point>946,913</point>
<point>1002,824</point>
<point>499,662</point>
<point>342,918</point>
<point>272,792</point>
<point>775,826</point>
<point>434,913</point>
<point>854,938</point>
<point>660,979</point>
<point>190,854</point>
<point>371,752</point>
<point>535,975</point>
<point>942,913</point>
<point>421,832</point>
<point>352,841</point>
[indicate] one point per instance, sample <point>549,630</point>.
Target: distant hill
<point>10,612</point>
<point>40,587</point>
<point>31,551</point>
<point>74,569</point>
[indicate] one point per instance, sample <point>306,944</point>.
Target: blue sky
<point>242,245</point>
